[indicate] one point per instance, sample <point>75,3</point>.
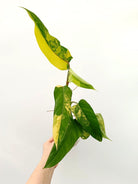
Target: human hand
<point>47,146</point>
<point>40,175</point>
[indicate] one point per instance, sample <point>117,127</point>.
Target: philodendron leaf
<point>62,113</point>
<point>72,134</point>
<point>86,117</point>
<point>101,123</point>
<point>73,77</point>
<point>58,55</point>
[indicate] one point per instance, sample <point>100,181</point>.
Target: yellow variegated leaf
<point>102,126</point>
<point>51,56</point>
<point>58,55</point>
<point>73,77</point>
<point>71,136</point>
<point>62,113</point>
<point>56,127</point>
<point>86,117</point>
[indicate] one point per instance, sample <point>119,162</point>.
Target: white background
<point>102,37</point>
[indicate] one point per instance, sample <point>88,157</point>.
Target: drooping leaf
<point>62,113</point>
<point>72,134</point>
<point>73,77</point>
<point>102,126</point>
<point>86,117</point>
<point>58,55</point>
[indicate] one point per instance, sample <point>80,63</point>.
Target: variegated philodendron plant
<point>66,129</point>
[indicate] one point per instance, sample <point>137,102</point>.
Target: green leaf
<point>102,126</point>
<point>62,113</point>
<point>72,134</point>
<point>84,134</point>
<point>87,119</point>
<point>73,77</point>
<point>58,55</point>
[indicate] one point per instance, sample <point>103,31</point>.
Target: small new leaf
<point>58,55</point>
<point>86,117</point>
<point>73,77</point>
<point>102,126</point>
<point>62,113</point>
<point>72,134</point>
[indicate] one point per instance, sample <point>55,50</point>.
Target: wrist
<point>46,173</point>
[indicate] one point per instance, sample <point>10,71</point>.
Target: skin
<point>40,175</point>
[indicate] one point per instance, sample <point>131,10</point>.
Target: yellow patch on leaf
<point>56,127</point>
<point>47,51</point>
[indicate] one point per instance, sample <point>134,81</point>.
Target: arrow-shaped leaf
<point>62,113</point>
<point>73,77</point>
<point>87,119</point>
<point>58,55</point>
<point>73,132</point>
<point>101,123</point>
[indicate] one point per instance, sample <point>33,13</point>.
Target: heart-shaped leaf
<point>58,55</point>
<point>72,134</point>
<point>87,119</point>
<point>62,113</point>
<point>73,77</point>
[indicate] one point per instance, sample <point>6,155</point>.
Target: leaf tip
<point>46,166</point>
<point>22,7</point>
<point>107,138</point>
<point>93,88</point>
<point>100,139</point>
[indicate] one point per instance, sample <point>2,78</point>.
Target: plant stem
<point>67,81</point>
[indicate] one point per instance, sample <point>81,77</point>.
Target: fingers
<point>51,140</point>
